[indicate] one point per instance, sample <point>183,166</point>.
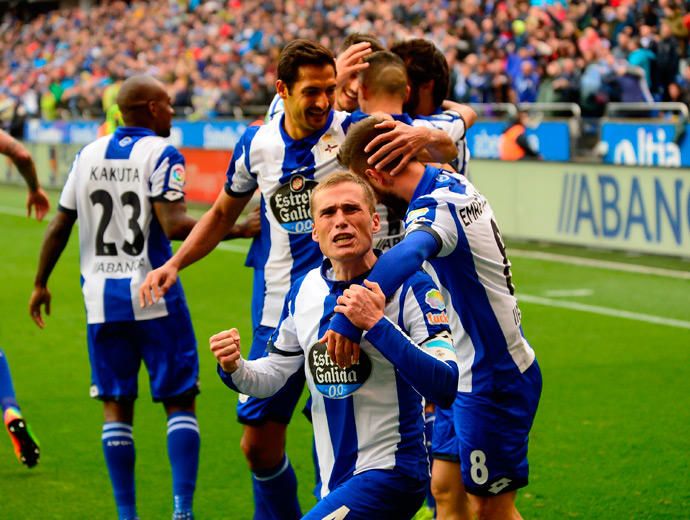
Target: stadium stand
<point>220,56</point>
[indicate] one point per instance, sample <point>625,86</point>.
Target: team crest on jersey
<point>290,204</point>
<point>125,141</point>
<point>331,380</point>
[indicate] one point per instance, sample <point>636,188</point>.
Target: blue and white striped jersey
<point>111,186</point>
<point>453,123</point>
<point>286,171</point>
<point>473,272</point>
<point>369,416</point>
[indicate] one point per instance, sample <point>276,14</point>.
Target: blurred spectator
<point>514,144</point>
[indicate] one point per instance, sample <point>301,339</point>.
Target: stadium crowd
<point>221,55</point>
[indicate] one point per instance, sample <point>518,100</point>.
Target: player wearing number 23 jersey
<point>112,186</point>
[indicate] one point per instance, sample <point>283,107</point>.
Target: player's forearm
<point>434,379</point>
<point>22,160</point>
<point>54,243</point>
<point>390,271</point>
<point>262,377</point>
<point>466,112</point>
<point>440,148</point>
<point>202,239</point>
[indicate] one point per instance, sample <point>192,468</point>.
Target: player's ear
<point>374,176</point>
<point>407,93</point>
<point>282,88</point>
<point>375,222</point>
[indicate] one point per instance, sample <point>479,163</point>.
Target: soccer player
<point>25,443</point>
<point>367,420</point>
<point>429,80</point>
<point>348,64</point>
<point>285,158</point>
<point>450,225</point>
<point>126,190</point>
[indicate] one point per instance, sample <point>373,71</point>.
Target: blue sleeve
<point>226,378</point>
<point>391,270</point>
<point>435,380</point>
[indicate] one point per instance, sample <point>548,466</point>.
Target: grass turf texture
<point>610,439</point>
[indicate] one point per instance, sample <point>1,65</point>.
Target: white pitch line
<point>15,212</point>
<point>606,311</point>
<point>600,264</point>
<point>233,248</point>
<point>564,293</point>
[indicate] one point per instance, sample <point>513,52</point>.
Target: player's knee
<point>442,490</point>
<point>261,454</point>
<point>494,508</point>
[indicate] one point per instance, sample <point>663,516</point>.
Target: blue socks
<point>275,493</point>
<point>183,452</point>
<point>118,448</point>
<point>7,397</point>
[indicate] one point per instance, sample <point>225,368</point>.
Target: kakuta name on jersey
<point>114,173</point>
<point>331,380</point>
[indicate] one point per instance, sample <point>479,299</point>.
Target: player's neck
<point>295,131</point>
<point>345,270</point>
<point>406,182</point>
<point>425,107</point>
<point>385,105</point>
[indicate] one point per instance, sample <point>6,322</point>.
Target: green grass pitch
<point>611,438</point>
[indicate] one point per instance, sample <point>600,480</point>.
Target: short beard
<point>397,205</point>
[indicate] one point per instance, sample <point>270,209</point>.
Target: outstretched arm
<point>216,223</point>
<point>54,243</point>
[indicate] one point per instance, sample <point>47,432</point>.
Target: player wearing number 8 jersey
<point>450,226</point>
<point>127,192</point>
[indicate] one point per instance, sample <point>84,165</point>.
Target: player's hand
<point>251,226</point>
<point>39,296</point>
<point>225,346</point>
<point>402,142</point>
<point>38,200</point>
<point>156,284</point>
<point>342,351</point>
<point>350,62</point>
<point>363,306</point>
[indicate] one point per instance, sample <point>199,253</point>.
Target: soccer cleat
<point>26,446</point>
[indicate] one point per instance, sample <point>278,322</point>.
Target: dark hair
<point>352,155</point>
<point>354,38</point>
<point>424,62</point>
<point>298,53</point>
<point>385,74</point>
